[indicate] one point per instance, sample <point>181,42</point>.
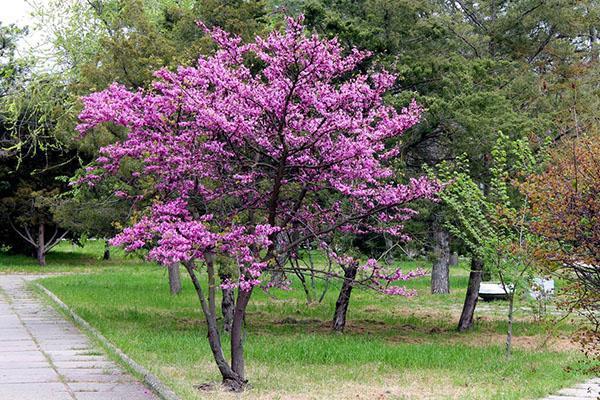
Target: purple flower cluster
<point>237,154</point>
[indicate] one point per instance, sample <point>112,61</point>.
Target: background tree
<point>11,66</point>
<point>92,212</point>
<point>37,159</point>
<point>477,67</point>
<point>105,41</point>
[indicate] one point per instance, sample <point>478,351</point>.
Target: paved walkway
<point>583,391</point>
<point>45,357</point>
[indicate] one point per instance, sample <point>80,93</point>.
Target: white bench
<point>489,291</point>
<point>540,289</point>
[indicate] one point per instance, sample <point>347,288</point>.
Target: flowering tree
<point>251,144</point>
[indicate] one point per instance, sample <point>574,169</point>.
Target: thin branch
<point>30,241</point>
<point>56,242</point>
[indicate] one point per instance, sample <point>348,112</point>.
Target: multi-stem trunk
<point>277,271</point>
<point>41,245</point>
<point>466,317</point>
<point>227,297</point>
<point>210,270</point>
<point>440,273</point>
<point>232,375</point>
<point>343,301</point>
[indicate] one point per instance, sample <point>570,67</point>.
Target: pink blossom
<point>236,157</point>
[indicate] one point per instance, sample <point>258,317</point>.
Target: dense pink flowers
<point>238,152</point>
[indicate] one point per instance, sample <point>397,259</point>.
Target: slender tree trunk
<point>453,259</point>
<point>511,301</point>
<point>106,255</point>
<point>343,301</point>
<point>440,273</point>
<point>227,297</point>
<point>466,318</point>
<point>174,278</point>
<point>277,272</point>
<point>41,245</point>
<point>389,243</point>
<point>231,379</point>
<point>212,298</point>
<point>306,287</point>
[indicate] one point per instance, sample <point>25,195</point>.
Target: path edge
<point>149,379</point>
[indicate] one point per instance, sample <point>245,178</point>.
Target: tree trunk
<point>511,301</point>
<point>440,272</point>
<point>227,297</point>
<point>227,308</point>
<point>453,259</point>
<point>231,380</point>
<point>237,339</point>
<point>212,297</point>
<point>306,287</point>
<point>343,301</point>
<point>389,243</point>
<point>106,255</point>
<point>41,245</point>
<point>466,317</point>
<point>277,272</point>
<point>174,278</point>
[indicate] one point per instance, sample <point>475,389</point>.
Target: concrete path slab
<point>38,391</point>
<point>45,357</point>
<point>589,390</point>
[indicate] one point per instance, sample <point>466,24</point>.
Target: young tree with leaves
<point>493,223</point>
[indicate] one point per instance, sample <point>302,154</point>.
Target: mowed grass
<point>67,257</point>
<point>394,348</point>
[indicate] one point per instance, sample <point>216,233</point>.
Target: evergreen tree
<point>478,68</point>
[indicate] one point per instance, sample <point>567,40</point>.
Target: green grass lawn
<point>67,257</point>
<point>394,348</point>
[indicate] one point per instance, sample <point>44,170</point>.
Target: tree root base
<point>236,386</point>
<point>228,385</point>
<point>207,387</point>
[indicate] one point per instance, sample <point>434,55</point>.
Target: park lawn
<point>67,257</point>
<point>394,348</point>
